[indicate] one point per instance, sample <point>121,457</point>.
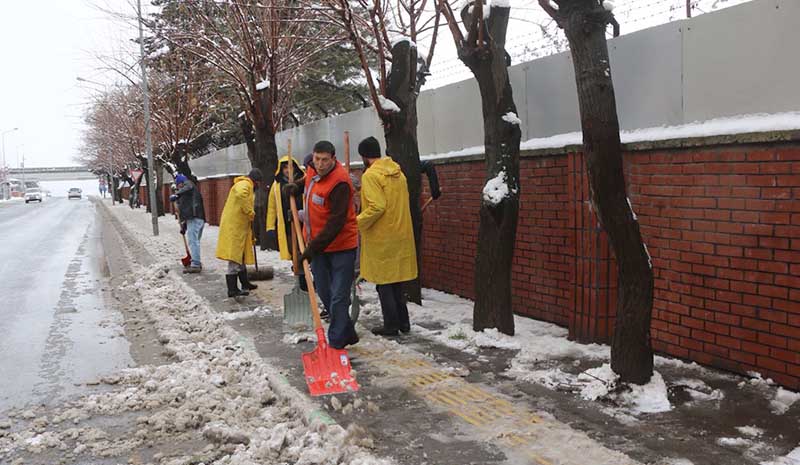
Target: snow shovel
<point>295,303</point>
<point>187,260</point>
<point>327,369</point>
<point>259,274</point>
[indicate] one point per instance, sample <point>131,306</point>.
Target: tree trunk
<point>498,219</point>
<point>584,23</point>
<point>400,131</point>
<point>159,183</point>
<point>264,156</point>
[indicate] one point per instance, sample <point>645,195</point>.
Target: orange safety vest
<point>318,210</point>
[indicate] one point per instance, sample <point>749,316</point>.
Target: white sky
<point>44,46</point>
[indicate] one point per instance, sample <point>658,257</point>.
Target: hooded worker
<point>279,214</point>
<point>235,244</point>
<point>388,252</point>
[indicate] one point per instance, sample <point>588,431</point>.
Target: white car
<point>74,193</point>
<point>33,194</point>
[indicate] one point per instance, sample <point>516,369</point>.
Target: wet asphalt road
<point>58,330</point>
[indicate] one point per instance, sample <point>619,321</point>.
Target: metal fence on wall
<point>685,71</point>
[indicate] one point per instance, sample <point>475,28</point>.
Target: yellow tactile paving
<point>493,415</point>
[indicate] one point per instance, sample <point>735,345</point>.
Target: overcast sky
<point>44,46</point>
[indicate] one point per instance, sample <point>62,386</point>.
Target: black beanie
<point>256,175</point>
<point>369,148</point>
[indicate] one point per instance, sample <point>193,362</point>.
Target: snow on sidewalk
<point>217,386</point>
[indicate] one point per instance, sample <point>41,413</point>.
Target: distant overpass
<point>56,173</point>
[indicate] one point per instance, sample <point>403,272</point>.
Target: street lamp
<point>151,175</point>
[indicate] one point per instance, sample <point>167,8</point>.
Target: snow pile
<point>512,118</point>
<point>608,5</point>
<point>262,85</point>
<point>751,431</point>
<point>496,189</point>
<point>699,390</point>
<point>793,458</point>
<point>216,388</point>
<point>784,399</point>
<point>602,383</point>
<point>388,105</point>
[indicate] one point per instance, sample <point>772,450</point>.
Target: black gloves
<point>183,227</point>
<point>308,255</point>
<point>291,189</point>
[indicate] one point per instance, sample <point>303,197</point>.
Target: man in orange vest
<point>331,234</point>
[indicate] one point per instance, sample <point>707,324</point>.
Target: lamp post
<point>151,187</point>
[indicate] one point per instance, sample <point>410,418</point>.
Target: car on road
<point>74,193</point>
<point>33,194</point>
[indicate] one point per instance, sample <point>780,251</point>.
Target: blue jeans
<point>194,232</point>
<point>333,278</point>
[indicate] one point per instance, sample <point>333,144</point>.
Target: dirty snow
<point>751,431</point>
<point>792,458</point>
<point>783,400</point>
<point>496,189</point>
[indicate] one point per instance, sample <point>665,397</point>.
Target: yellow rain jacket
<point>275,215</point>
<point>388,253</point>
<point>235,231</point>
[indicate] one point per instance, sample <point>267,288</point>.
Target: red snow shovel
<point>187,260</point>
<point>327,369</point>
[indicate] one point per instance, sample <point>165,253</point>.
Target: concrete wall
<point>685,71</point>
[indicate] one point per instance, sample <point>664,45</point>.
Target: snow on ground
<point>216,385</point>
<point>783,400</point>
<point>793,458</point>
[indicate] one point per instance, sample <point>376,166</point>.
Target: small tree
<point>483,51</point>
<point>386,33</point>
<point>261,49</point>
<point>584,23</point>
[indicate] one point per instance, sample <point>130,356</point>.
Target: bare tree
<point>584,23</point>
<point>483,51</point>
<point>261,49</point>
<point>387,33</point>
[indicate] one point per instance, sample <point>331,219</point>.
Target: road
<point>58,330</point>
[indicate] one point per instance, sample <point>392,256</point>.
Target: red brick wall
<point>722,225</point>
<point>723,228</point>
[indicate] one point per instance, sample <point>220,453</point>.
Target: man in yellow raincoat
<point>235,244</point>
<point>279,215</point>
<point>388,253</point>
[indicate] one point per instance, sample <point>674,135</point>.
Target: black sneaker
<point>383,331</point>
<point>405,329</point>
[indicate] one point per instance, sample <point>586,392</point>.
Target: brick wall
<point>720,217</point>
<point>722,224</point>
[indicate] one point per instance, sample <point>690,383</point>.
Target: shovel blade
<point>296,311</point>
<point>328,370</point>
<point>187,260</point>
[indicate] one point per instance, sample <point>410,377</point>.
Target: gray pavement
<point>57,329</point>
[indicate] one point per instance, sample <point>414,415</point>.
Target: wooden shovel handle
<point>298,232</point>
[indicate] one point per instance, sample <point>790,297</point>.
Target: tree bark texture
<point>584,22</point>
<point>498,222</point>
<point>400,132</point>
<point>264,156</point>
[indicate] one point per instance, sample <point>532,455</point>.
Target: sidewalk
<point>447,395</point>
